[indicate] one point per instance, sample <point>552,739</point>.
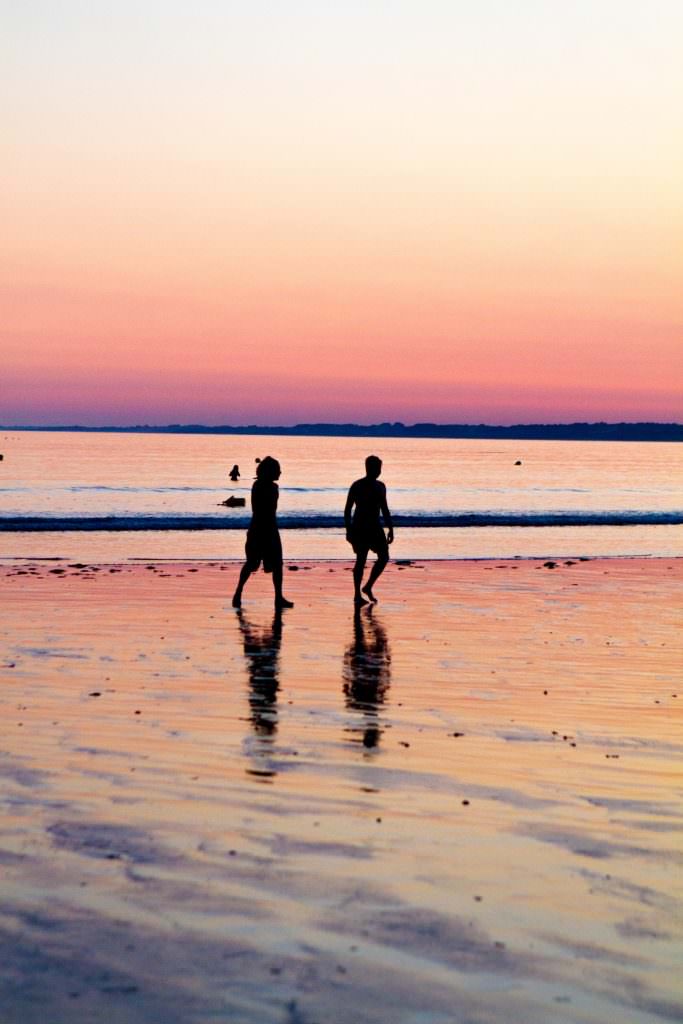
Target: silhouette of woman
<point>367,674</point>
<point>234,473</point>
<point>263,538</point>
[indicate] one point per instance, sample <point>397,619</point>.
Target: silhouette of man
<point>366,502</point>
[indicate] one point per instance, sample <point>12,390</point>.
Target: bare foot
<point>369,594</point>
<point>237,600</point>
<point>359,601</point>
<point>282,602</point>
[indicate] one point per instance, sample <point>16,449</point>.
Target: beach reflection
<point>367,676</point>
<point>262,656</point>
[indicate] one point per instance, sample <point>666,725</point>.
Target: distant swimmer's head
<point>373,466</point>
<point>268,469</point>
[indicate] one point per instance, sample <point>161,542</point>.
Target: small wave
<point>85,488</point>
<point>16,524</point>
<point>233,488</point>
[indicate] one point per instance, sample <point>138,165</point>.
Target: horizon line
<point>336,423</point>
<point>349,428</point>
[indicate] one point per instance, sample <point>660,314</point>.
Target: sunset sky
<point>281,212</point>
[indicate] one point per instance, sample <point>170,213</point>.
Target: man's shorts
<point>370,538</point>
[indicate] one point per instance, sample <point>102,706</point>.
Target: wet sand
<point>463,805</point>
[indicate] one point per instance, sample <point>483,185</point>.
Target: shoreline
<point>400,562</point>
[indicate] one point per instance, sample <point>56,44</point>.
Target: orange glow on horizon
<point>487,230</point>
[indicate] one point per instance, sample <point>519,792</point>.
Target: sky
<point>285,212</point>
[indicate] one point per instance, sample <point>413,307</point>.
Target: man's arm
<point>386,515</point>
<point>350,502</point>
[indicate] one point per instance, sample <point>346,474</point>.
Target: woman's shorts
<point>263,548</point>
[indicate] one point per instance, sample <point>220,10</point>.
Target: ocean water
<point>112,496</point>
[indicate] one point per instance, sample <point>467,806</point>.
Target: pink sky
<point>450,217</point>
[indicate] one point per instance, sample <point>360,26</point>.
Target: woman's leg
<point>244,576</point>
<point>280,600</point>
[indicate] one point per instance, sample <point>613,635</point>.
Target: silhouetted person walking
<point>263,538</point>
<point>366,502</point>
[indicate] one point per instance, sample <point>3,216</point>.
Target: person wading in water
<point>263,538</point>
<point>366,501</point>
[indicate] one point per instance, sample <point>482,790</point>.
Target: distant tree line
<point>521,431</point>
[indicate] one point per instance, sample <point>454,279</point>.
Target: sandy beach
<point>462,805</point>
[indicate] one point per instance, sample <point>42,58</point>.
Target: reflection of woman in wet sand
<point>366,502</point>
<point>262,654</point>
<point>263,538</point>
<point>367,673</point>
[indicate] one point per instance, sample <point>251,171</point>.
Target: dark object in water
<point>518,462</point>
<point>235,472</point>
<point>233,502</point>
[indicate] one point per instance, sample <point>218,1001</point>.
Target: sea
<point>129,496</point>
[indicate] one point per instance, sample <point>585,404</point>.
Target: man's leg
<point>358,570</point>
<point>375,573</point>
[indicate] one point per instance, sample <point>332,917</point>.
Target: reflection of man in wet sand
<point>262,654</point>
<point>366,501</point>
<point>367,673</point>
